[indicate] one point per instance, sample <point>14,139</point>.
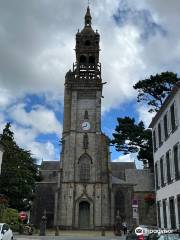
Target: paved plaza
<point>66,238</point>
<point>72,235</point>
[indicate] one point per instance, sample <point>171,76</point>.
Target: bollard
<point>43,226</point>
<point>57,231</point>
<point>103,233</point>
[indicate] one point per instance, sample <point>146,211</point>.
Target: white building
<point>1,155</point>
<point>166,144</point>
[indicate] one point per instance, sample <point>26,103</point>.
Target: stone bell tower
<point>83,199</point>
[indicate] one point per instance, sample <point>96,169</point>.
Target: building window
<point>168,167</point>
<point>156,175</point>
<point>84,168</point>
<point>159,214</point>
<point>173,120</point>
<point>164,213</point>
<point>172,213</point>
<point>159,134</point>
<point>154,140</point>
<point>165,127</point>
<point>91,59</point>
<point>162,171</point>
<point>87,43</point>
<point>84,171</point>
<point>176,165</point>
<point>83,59</point>
<point>178,206</point>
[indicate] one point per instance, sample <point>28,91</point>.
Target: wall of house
<point>143,180</point>
<point>147,211</point>
<point>168,188</point>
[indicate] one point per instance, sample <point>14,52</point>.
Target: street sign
<point>22,216</point>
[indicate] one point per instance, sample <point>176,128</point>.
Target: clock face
<point>86,126</point>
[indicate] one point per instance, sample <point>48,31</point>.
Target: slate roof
<point>116,180</point>
<point>118,169</point>
<point>123,165</point>
<point>50,166</point>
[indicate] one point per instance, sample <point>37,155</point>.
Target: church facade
<point>87,189</point>
<point>85,155</point>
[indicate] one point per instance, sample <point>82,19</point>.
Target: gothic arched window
<point>87,43</point>
<point>91,59</point>
<point>84,168</point>
<point>83,59</point>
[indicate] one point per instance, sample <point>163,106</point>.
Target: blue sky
<point>37,38</point>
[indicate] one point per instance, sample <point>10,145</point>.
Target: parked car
<point>143,232</point>
<point>5,232</point>
<point>164,236</point>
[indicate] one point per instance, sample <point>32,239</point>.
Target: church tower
<point>83,199</point>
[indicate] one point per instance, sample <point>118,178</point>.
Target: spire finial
<point>88,17</point>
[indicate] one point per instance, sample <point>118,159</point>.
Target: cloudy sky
<point>37,38</point>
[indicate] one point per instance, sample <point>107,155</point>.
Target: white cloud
<point>132,157</point>
<point>125,158</point>
<point>37,39</point>
<point>37,47</point>
<point>5,98</point>
<point>2,122</point>
<point>122,64</point>
<point>27,127</point>
<point>45,151</point>
<point>26,138</point>
<point>41,119</point>
<point>144,115</point>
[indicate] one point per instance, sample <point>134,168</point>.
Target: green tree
<point>19,172</point>
<point>155,89</point>
<point>130,137</point>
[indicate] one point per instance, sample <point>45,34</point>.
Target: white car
<point>5,232</point>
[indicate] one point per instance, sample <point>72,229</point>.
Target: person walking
<point>124,225</point>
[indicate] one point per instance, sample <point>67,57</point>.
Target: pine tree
<point>130,137</point>
<point>155,89</point>
<point>19,172</point>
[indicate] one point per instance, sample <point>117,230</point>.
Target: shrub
<point>10,216</point>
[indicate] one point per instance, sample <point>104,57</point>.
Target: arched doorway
<point>84,215</point>
<point>120,205</point>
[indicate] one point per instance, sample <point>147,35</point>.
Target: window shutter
<point>176,114</point>
<point>179,158</point>
<point>171,164</point>
<point>159,174</point>
<point>156,175</point>
<point>169,122</point>
<point>165,169</point>
<point>162,131</point>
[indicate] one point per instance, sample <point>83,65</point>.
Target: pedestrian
<point>124,225</point>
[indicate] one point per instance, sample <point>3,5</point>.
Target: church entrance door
<point>84,215</point>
